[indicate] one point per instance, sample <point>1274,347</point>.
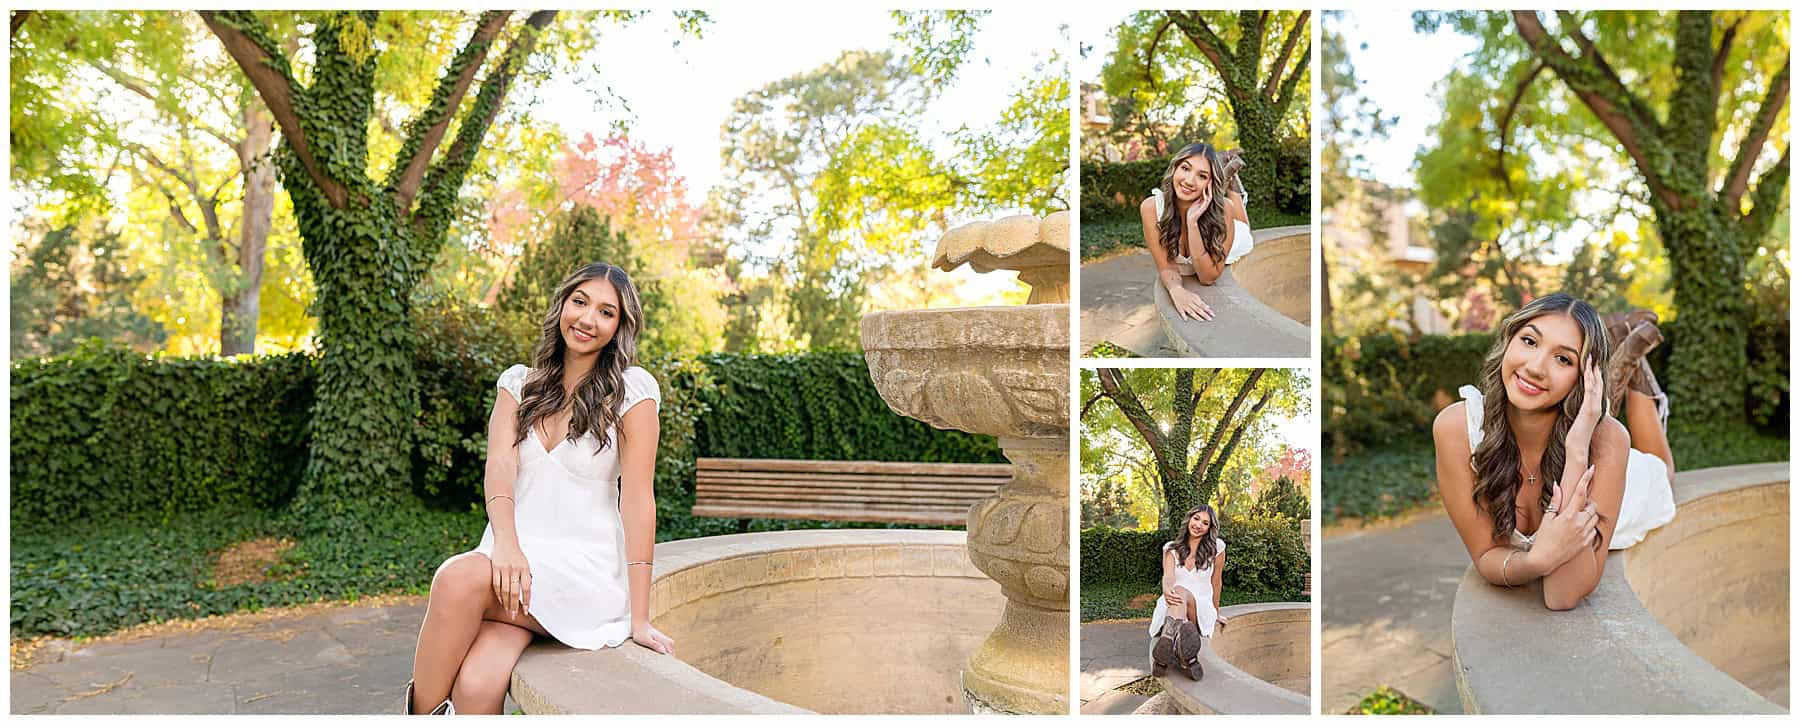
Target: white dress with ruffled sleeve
<point>566,513</point>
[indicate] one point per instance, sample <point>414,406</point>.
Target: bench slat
<point>987,485</point>
<point>828,513</point>
<point>890,478</point>
<point>890,467</point>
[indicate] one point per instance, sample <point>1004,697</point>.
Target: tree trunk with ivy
<point>1259,98</point>
<point>1708,232</point>
<point>368,242</point>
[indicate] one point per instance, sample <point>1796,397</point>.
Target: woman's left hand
<point>1222,620</point>
<point>652,639</point>
<point>1593,406</point>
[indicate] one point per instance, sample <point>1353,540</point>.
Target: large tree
<point>202,145</point>
<point>1687,110</point>
<point>369,240</point>
<point>1191,421</point>
<point>1260,58</point>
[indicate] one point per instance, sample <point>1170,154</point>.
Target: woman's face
<point>590,316</point>
<point>1543,362</point>
<point>1199,524</point>
<point>1192,175</point>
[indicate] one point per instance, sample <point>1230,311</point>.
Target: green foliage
<point>1261,555</point>
<point>1389,701</point>
<point>84,581</point>
<point>1115,600</point>
<point>1282,498</point>
<point>1105,349</point>
<point>1377,482</point>
<point>105,432</point>
<point>817,406</point>
<point>1101,238</point>
<point>1113,191</point>
<point>71,286</point>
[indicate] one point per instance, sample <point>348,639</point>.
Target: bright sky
<point>678,96</point>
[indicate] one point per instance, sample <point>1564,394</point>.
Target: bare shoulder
<point>1147,208</point>
<point>1610,438</point>
<point>1451,427</point>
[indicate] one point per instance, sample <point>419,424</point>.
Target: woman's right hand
<point>512,577</point>
<point>1189,305</point>
<point>1571,528</point>
<point>1175,600</point>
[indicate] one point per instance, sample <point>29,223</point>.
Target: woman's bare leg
<point>487,671</point>
<point>460,593</point>
<point>1645,427</point>
<point>1186,612</point>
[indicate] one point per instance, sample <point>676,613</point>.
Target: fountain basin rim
<point>1638,665</point>
<point>551,678</point>
<point>925,330</point>
<point>1238,692</point>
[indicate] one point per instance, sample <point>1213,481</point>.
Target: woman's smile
<point>1526,387</point>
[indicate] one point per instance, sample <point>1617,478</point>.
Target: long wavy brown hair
<point>1496,460</point>
<point>1212,221</point>
<point>1209,544</point>
<point>598,396</point>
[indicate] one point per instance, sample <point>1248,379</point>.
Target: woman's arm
<point>637,503</point>
<point>1456,486</point>
<point>1575,578</point>
<point>1187,304</point>
<point>1205,269</point>
<point>502,475</point>
<point>1218,578</point>
<point>1168,578</point>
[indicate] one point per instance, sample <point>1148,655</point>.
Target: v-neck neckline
<point>540,437</point>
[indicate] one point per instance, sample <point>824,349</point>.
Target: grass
<point>1112,600</point>
<point>1100,237</point>
<point>1389,701</point>
<point>1267,220</point>
<point>1109,350</point>
<point>1402,476</point>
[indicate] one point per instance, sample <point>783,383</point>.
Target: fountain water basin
<point>1693,619</point>
<point>827,621</point>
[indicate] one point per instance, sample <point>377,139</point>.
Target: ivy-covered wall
<point>107,432</point>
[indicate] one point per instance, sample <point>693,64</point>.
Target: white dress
<point>1197,581</point>
<point>566,513</point>
<point>1649,502</point>
<point>1240,245</point>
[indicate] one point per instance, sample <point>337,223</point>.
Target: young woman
<point>579,512</point>
<point>1193,570</point>
<point>1198,206</point>
<point>1537,479</point>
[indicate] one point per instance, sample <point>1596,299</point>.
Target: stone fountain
<point>1001,371</point>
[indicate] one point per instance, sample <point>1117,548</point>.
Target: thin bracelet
<point>638,563</point>
<point>1508,560</point>
<point>501,495</point>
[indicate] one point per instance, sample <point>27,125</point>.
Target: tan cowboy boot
<point>1626,365</point>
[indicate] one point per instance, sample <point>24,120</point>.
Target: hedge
<point>1113,190</point>
<point>1381,387</point>
<point>105,432</point>
<point>1262,555</point>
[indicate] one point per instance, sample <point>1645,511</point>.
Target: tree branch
<point>1770,188</point>
<point>1113,386</point>
<point>1287,47</point>
<point>424,133</point>
<point>1599,97</point>
<point>1292,81</point>
<point>1506,117</point>
<point>1213,471</point>
<point>1089,404</point>
<point>1751,147</point>
<point>1150,51</point>
<point>141,87</point>
<point>1218,432</point>
<point>18,21</point>
<point>248,43</point>
<point>446,176</point>
<point>1719,58</point>
<point>1210,45</point>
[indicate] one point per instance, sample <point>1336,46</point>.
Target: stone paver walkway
<point>1113,654</point>
<point>341,660</point>
<point>1387,596</point>
<point>1116,306</point>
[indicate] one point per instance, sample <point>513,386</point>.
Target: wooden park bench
<point>906,493</point>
